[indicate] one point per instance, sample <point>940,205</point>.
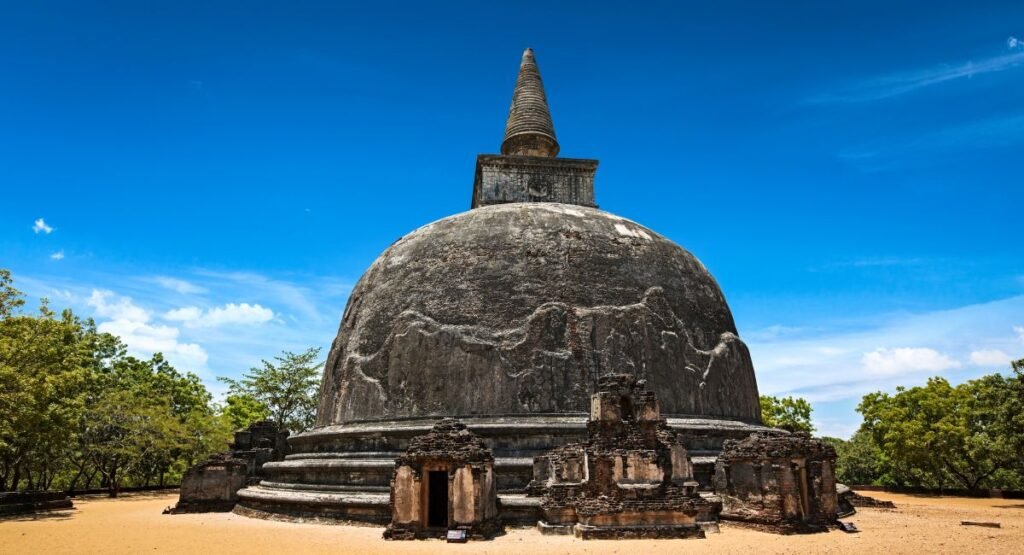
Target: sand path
<point>134,524</point>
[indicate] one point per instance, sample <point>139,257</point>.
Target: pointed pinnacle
<point>529,131</point>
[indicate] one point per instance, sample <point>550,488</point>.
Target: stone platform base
<point>369,507</point>
<point>344,472</point>
<point>585,532</point>
<point>548,529</point>
<point>304,505</point>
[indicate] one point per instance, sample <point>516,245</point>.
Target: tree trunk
<point>113,481</point>
<point>74,482</point>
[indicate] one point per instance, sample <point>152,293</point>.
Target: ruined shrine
<point>784,483</point>
<point>212,485</point>
<point>631,478</point>
<point>444,481</point>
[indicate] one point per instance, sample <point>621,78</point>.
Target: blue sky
<point>213,179</point>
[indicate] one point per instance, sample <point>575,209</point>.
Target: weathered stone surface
<point>504,179</point>
<point>781,482</point>
<point>529,131</point>
<point>213,485</point>
<point>468,493</point>
<point>537,301</point>
<point>631,478</point>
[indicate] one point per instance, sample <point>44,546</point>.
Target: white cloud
<point>301,299</point>
<point>108,305</point>
<point>990,357</point>
<point>59,255</point>
<point>825,365</point>
<point>40,227</point>
<point>1014,42</point>
<point>231,313</point>
<point>130,322</point>
<point>904,360</point>
<point>144,339</point>
<point>186,314</point>
<point>179,285</point>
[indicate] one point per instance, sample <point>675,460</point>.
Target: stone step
<point>333,504</point>
<point>324,487</point>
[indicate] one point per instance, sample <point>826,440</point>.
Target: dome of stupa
<point>519,308</point>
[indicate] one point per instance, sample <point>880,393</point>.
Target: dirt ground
<point>134,524</point>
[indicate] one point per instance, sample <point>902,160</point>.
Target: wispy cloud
<point>178,285</point>
<point>896,84</point>
<point>874,262</point>
<point>39,226</point>
<point>295,296</point>
<point>896,152</point>
<point>231,313</point>
<point>1014,43</point>
<point>59,255</point>
<point>773,332</point>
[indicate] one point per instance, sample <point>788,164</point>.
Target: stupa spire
<point>529,131</point>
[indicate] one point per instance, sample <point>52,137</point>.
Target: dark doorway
<point>626,405</point>
<point>437,499</point>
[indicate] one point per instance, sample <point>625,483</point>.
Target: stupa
<point>505,316</point>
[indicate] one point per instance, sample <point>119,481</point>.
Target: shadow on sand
<point>61,514</point>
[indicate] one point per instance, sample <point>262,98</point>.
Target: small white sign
<point>456,535</point>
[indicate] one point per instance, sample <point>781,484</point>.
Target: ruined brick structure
<point>212,485</point>
<point>782,482</point>
<point>444,481</point>
<point>631,478</point>
<point>506,316</point>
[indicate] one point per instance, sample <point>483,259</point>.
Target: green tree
<point>149,422</point>
<point>240,410</point>
<point>788,413</point>
<point>46,361</point>
<point>288,388</point>
<point>74,407</point>
<point>858,459</point>
<point>937,434</point>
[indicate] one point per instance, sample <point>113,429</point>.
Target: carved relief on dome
<point>548,362</point>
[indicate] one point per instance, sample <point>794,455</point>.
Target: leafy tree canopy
<point>939,435</point>
<point>75,408</point>
<point>288,388</point>
<point>788,413</point>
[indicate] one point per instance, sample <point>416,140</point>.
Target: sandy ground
<point>134,524</point>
